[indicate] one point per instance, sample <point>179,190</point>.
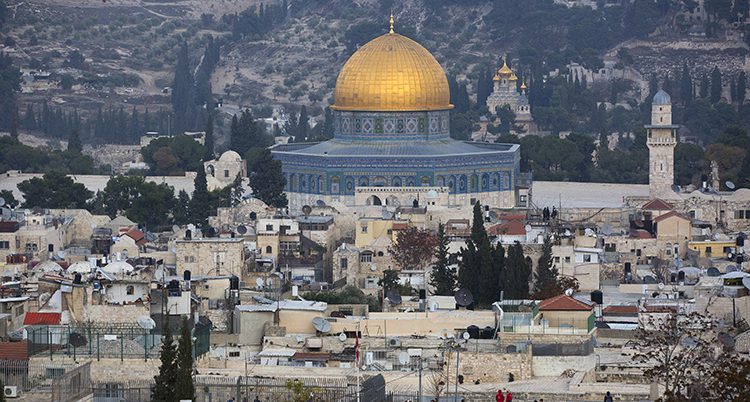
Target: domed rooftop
<point>392,73</point>
<point>81,267</point>
<point>230,156</point>
<point>118,267</point>
<point>662,98</point>
<point>48,266</point>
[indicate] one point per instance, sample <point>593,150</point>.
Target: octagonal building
<point>392,140</point>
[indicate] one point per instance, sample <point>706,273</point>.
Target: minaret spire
<point>391,22</point>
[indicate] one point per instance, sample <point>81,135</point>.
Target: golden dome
<point>392,73</point>
<point>523,86</point>
<point>504,70</point>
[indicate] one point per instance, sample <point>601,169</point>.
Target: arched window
<point>474,183</point>
<point>363,181</point>
<point>211,171</point>
<point>396,182</point>
<point>269,250</point>
<point>334,185</point>
<point>380,181</point>
<point>130,290</point>
<point>425,181</point>
<point>374,200</point>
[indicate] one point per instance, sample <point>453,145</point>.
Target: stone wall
<point>495,367</point>
<point>552,366</point>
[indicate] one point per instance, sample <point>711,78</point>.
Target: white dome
<point>432,194</point>
<point>48,266</point>
<point>230,156</point>
<point>81,267</point>
<point>118,267</point>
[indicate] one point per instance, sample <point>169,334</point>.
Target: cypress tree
<point>209,140</point>
<point>741,88</point>
<point>165,382</point>
<point>546,273</point>
<point>200,203</point>
<point>74,142</point>
<point>184,387</point>
<point>182,92</point>
<point>715,85</point>
<point>328,124</point>
<point>14,124</point>
<point>705,84</point>
<point>686,85</point>
<point>443,278</point>
<point>182,208</point>
<point>268,181</point>
<point>478,232</point>
<point>29,118</point>
<point>303,126</point>
<point>468,272</point>
<point>490,278</point>
<point>518,273</point>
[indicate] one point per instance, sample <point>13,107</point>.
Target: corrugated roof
<point>563,303</point>
<point>14,351</point>
<point>281,352</point>
<point>42,319</point>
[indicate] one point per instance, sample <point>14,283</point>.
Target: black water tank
<point>473,331</point>
<point>422,294</point>
<point>77,279</point>
<point>597,297</point>
<point>173,284</point>
<point>234,283</point>
<point>487,333</point>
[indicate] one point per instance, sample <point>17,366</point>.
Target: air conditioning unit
<point>394,343</point>
<point>10,391</point>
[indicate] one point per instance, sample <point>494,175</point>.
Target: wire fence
<point>27,376</point>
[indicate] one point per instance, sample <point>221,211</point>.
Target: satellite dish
<point>373,267</point>
<point>259,282</point>
<point>466,336</point>
<point>746,282</point>
<point>648,279</point>
<point>730,185</point>
<point>527,228</point>
<point>606,229</point>
<point>242,229</point>
<point>321,325</point>
<point>675,188</point>
<point>306,209</point>
<point>464,297</point>
<point>730,268</point>
<point>146,322</point>
<point>342,337</point>
<point>661,286</point>
<point>299,338</point>
<point>2,201</point>
<point>394,297</point>
<point>568,292</point>
<point>404,358</point>
<point>726,340</point>
<point>175,228</point>
<point>713,271</point>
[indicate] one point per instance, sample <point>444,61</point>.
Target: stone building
<point>222,172</point>
<point>391,116</point>
<point>505,92</point>
<point>661,142</point>
<point>210,256</point>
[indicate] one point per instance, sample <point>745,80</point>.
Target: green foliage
<point>165,387</point>
<point>144,202</point>
<point>268,181</point>
<point>16,156</point>
<point>10,84</point>
<point>209,140</point>
<point>348,295</point>
<point>10,199</point>
<point>200,203</point>
<point>173,155</point>
<point>74,142</point>
<point>389,281</point>
<point>716,85</point>
<point>184,387</point>
<point>183,104</point>
<point>689,163</point>
<point>300,393</point>
<point>54,190</point>
<point>443,277</point>
<point>246,133</point>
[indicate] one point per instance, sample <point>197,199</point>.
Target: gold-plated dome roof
<point>391,73</point>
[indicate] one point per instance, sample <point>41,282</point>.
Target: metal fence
<point>27,375</point>
<point>563,349</point>
<point>94,341</point>
<point>73,385</point>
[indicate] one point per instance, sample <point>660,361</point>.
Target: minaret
<point>661,141</point>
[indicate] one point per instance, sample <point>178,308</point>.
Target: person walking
<point>608,397</point>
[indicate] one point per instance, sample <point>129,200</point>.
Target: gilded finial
<point>391,21</point>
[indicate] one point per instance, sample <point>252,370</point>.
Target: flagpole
<point>356,363</point>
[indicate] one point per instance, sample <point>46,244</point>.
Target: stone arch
<point>380,181</point>
<point>440,181</point>
<point>290,181</point>
<point>374,200</point>
<point>269,250</point>
<point>321,184</point>
<point>396,182</point>
<point>452,184</point>
<point>363,181</point>
<point>410,182</point>
<point>485,182</point>
<point>474,183</point>
<point>211,170</point>
<point>496,181</point>
<point>335,184</point>
<point>303,183</point>
<point>462,184</point>
<point>392,201</point>
<point>313,184</point>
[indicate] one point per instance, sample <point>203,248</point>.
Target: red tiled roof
<point>669,215</point>
<point>512,228</point>
<point>657,205</point>
<point>400,225</point>
<point>640,234</point>
<point>42,319</point>
<point>563,303</point>
<point>318,357</point>
<point>14,350</point>
<point>137,235</point>
<point>661,309</point>
<point>621,310</point>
